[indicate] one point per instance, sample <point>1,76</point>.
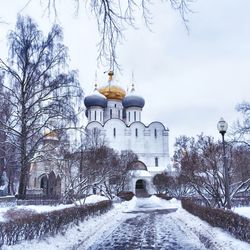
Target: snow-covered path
<point>151,227</point>
<point>153,230</point>
<point>156,224</point>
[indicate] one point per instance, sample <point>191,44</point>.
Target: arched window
<point>119,114</point>
<point>110,111</point>
<point>134,115</point>
<point>155,133</point>
<point>114,132</point>
<point>95,115</point>
<point>129,116</point>
<point>136,132</point>
<point>156,161</point>
<point>90,115</point>
<point>44,184</point>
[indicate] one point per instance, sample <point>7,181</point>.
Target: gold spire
<point>110,74</point>
<point>132,81</point>
<point>111,90</point>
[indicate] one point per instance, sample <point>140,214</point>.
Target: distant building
<point>45,178</point>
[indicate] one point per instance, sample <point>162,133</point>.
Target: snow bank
<point>212,237</point>
<point>155,202</point>
<point>244,211</point>
<point>92,199</point>
<point>46,208</point>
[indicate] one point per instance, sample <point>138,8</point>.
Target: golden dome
<point>50,135</point>
<point>112,91</point>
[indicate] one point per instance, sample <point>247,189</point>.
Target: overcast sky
<point>188,81</point>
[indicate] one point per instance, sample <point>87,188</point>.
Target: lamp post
<point>222,127</point>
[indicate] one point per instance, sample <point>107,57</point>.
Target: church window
<point>156,161</point>
<point>90,115</point>
<point>115,105</point>
<point>114,132</point>
<point>155,133</point>
<point>134,115</point>
<point>110,111</point>
<point>95,115</point>
<point>136,132</point>
<point>129,116</point>
<point>100,116</point>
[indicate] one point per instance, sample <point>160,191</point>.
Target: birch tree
<point>42,91</point>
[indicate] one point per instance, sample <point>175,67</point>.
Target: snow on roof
<point>140,173</point>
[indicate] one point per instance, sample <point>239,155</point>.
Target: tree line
<point>198,162</point>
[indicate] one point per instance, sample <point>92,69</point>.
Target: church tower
<point>133,104</point>
<point>117,115</point>
<point>114,95</point>
<point>95,104</point>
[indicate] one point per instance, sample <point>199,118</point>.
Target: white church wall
<point>133,114</point>
<point>113,110</point>
<point>151,148</point>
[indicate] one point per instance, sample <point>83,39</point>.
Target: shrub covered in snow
<point>127,196</point>
<point>13,214</point>
<point>37,225</point>
<point>164,196</point>
<point>235,224</point>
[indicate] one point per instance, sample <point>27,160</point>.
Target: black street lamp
<point>222,127</point>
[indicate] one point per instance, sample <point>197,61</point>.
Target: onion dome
<point>133,100</point>
<point>111,90</point>
<point>95,99</point>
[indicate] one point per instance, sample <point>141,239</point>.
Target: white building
<point>118,116</point>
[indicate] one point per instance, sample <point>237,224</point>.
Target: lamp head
<point>222,126</point>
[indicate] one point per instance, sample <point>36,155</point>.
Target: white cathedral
<point>118,116</point>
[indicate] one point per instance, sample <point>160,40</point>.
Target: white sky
<point>188,80</point>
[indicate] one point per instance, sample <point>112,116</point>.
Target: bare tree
<point>94,138</point>
<point>116,183</point>
<point>174,186</point>
<point>241,130</point>
<point>41,90</point>
<point>239,162</point>
<point>87,171</point>
<point>113,17</point>
<point>8,154</point>
<point>202,165</point>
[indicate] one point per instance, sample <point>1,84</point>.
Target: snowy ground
<point>244,211</point>
<point>146,223</point>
